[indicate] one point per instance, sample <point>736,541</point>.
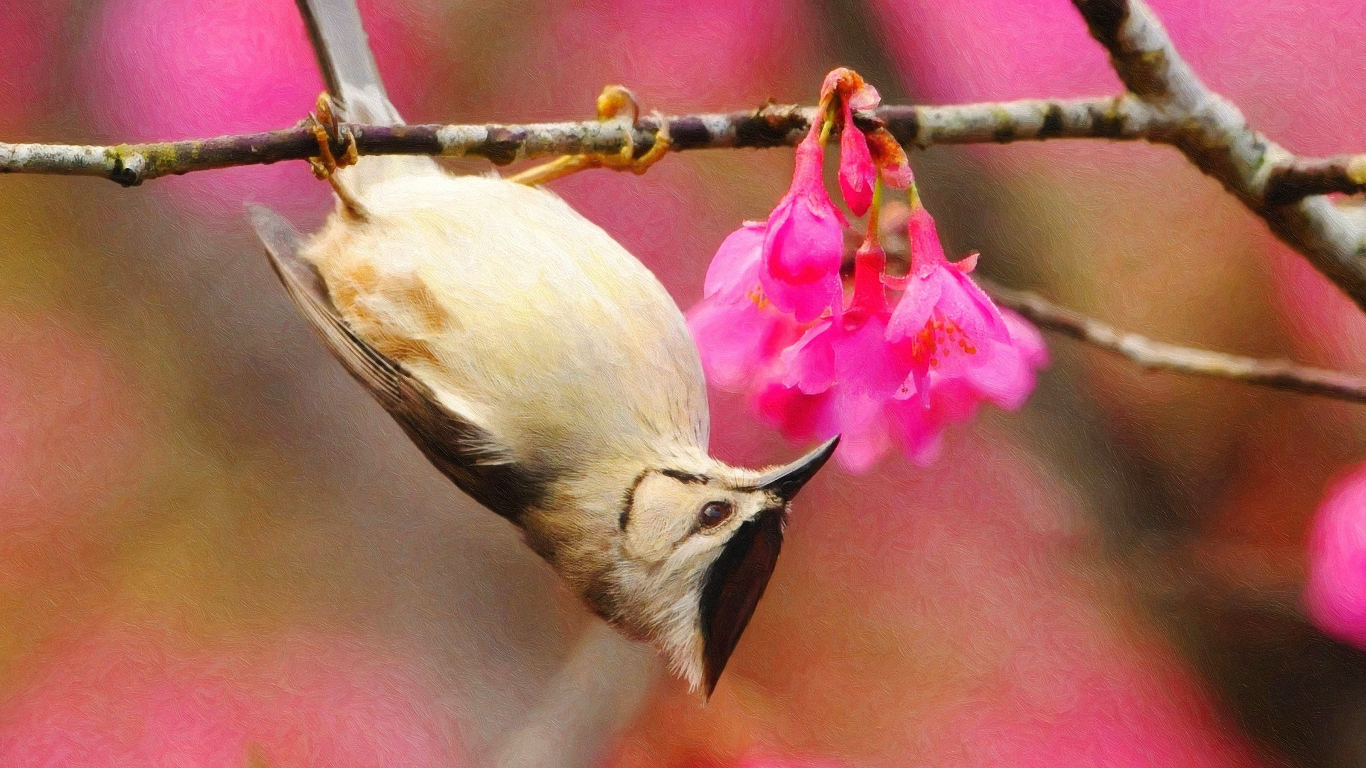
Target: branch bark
<point>1307,176</point>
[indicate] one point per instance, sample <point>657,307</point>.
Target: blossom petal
<point>927,252</point>
<point>915,307</point>
<point>864,433</point>
<point>810,363</point>
<point>737,340</point>
<point>865,363</point>
<point>969,307</point>
<point>735,267</point>
<point>804,242</point>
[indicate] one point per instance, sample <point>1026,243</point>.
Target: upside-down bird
<point>543,369</point>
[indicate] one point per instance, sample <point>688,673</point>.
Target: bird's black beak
<point>740,574</point>
<point>784,482</point>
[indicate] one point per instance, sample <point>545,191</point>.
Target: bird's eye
<point>715,513</point>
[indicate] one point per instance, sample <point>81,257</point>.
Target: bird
<point>543,369</point>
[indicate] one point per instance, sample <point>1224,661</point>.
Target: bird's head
<point>693,552</point>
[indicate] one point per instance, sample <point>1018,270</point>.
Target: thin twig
<point>1276,374</point>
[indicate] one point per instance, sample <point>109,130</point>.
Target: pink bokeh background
<point>210,555</point>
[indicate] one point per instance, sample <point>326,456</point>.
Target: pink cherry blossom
<point>840,377</point>
<point>857,172</point>
<point>737,329</point>
<point>1336,590</point>
<point>174,69</point>
<point>1005,377</point>
<point>871,426</point>
<point>943,320</point>
<point>861,421</point>
<point>854,374</point>
<point>774,321</point>
<point>850,348</point>
<point>804,241</point>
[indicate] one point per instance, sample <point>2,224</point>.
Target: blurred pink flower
<point>140,698</point>
<point>32,39</point>
<point>738,331</point>
<point>63,396</point>
<point>723,52</point>
<point>1336,590</point>
<point>975,50</point>
<point>176,69</point>
<point>804,241</point>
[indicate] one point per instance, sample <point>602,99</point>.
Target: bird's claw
<point>615,104</point>
<point>327,130</point>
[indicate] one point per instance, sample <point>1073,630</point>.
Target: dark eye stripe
<point>630,500</point>
<point>685,477</point>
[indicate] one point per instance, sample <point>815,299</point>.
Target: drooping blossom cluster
<point>880,359</point>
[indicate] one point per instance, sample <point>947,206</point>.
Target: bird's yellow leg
<point>614,103</point>
<point>324,125</point>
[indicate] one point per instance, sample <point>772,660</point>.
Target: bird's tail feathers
<point>347,65</point>
<point>353,81</point>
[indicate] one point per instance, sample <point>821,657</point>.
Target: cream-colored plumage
<point>521,315</point>
<point>543,369</point>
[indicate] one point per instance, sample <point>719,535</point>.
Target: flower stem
<point>874,209</point>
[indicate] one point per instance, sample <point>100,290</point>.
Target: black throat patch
<point>733,587</point>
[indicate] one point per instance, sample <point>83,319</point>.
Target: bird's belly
<point>517,309</point>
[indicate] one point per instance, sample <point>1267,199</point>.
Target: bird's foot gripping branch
<point>881,359</point>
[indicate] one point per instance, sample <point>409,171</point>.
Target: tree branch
<point>770,126</point>
<point>1166,104</point>
<point>1156,355</point>
<point>1215,136</point>
<point>1307,176</point>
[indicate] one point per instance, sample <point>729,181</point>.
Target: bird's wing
<point>460,447</point>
